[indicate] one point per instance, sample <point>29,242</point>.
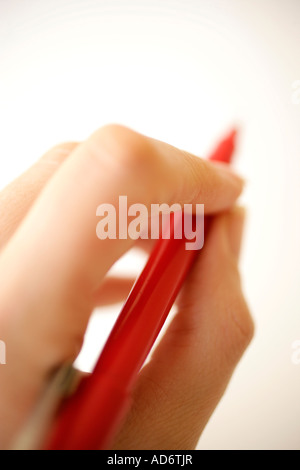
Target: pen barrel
<point>105,393</point>
<point>146,308</point>
<point>79,430</point>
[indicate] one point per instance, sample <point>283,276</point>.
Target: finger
<point>181,385</point>
<point>17,198</point>
<point>236,220</point>
<point>113,290</point>
<point>113,161</point>
<point>54,263</point>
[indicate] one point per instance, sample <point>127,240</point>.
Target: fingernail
<point>236,222</point>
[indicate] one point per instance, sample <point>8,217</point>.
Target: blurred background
<point>182,71</point>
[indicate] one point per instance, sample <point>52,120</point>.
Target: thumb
<point>180,387</point>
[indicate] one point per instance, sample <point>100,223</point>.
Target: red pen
<point>90,418</point>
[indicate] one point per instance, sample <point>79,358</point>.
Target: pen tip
<point>233,134</point>
<point>225,149</point>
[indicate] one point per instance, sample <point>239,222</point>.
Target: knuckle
<point>130,158</point>
<point>59,153</point>
<point>123,146</point>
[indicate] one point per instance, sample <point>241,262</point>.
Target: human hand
<point>53,273</point>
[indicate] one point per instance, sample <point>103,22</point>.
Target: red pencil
<point>90,418</point>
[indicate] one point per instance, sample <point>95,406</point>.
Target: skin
<point>53,274</point>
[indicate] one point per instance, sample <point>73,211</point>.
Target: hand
<point>53,273</point>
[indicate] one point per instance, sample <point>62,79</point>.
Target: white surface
<point>182,71</point>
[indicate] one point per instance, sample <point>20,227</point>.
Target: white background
<point>184,72</point>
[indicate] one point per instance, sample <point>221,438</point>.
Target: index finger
<point>113,161</point>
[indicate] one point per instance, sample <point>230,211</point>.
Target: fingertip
<point>222,187</point>
<point>226,172</point>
